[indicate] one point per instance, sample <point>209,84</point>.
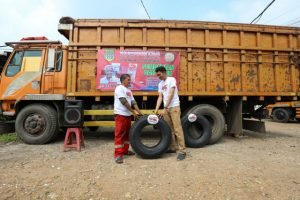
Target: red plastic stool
<point>79,139</point>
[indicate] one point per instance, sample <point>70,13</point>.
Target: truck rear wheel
<point>144,150</point>
<point>196,134</point>
<point>215,118</point>
<point>37,124</point>
<point>281,115</point>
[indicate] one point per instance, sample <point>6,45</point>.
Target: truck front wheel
<point>36,124</point>
<point>281,115</point>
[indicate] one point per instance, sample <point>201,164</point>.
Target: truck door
<point>22,74</point>
<point>54,76</point>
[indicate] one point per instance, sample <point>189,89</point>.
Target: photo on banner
<point>139,64</point>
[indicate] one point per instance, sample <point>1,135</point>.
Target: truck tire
<point>146,151</point>
<point>196,134</point>
<point>37,124</point>
<point>281,115</point>
<point>215,118</point>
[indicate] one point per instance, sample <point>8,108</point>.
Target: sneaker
<point>119,159</point>
<point>171,151</point>
<point>130,153</point>
<point>181,156</point>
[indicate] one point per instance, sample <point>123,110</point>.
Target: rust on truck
<point>217,59</point>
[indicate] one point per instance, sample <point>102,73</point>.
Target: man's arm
<point>158,103</point>
<point>170,97</point>
<point>135,106</point>
<point>126,104</point>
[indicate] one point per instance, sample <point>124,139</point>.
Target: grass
<point>8,137</point>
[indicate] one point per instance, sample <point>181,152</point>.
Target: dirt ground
<point>254,166</point>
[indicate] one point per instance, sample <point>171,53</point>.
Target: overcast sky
<point>23,18</point>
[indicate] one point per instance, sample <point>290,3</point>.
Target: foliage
<point>9,137</point>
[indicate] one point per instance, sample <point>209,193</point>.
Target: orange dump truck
<point>284,111</point>
<point>223,70</point>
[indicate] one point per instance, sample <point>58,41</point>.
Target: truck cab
<point>34,74</point>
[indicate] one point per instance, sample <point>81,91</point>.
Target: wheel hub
<point>280,115</point>
<point>34,124</point>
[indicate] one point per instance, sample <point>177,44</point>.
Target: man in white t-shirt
<point>168,93</point>
<point>123,103</point>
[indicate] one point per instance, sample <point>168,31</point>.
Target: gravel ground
<point>254,166</point>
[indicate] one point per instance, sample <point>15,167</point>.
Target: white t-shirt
<point>119,108</point>
<point>164,87</point>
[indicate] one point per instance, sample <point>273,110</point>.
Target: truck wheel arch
<point>58,106</point>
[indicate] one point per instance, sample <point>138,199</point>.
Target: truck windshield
<point>27,61</point>
<point>14,65</point>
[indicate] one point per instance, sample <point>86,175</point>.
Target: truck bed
<point>217,59</point>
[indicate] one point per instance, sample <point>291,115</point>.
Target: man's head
<point>161,72</point>
<point>116,68</point>
<point>125,80</point>
<point>108,71</point>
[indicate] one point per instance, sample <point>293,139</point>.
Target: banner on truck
<point>140,65</point>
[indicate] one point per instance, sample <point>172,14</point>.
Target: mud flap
<point>254,125</point>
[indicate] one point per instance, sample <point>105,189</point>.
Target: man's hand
<point>137,114</point>
<point>134,113</point>
<point>163,112</point>
<point>137,110</point>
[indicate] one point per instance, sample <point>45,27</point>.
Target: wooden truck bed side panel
<point>216,58</point>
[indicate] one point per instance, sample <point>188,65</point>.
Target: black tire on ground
<point>146,151</point>
<point>281,115</point>
<point>196,134</point>
<point>37,124</point>
<point>215,118</point>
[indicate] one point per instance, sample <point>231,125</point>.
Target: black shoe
<point>171,151</point>
<point>119,159</point>
<point>181,156</point>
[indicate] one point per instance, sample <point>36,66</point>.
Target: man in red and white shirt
<point>168,93</point>
<point>123,103</point>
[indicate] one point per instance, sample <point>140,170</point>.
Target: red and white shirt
<point>119,108</point>
<point>164,87</point>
